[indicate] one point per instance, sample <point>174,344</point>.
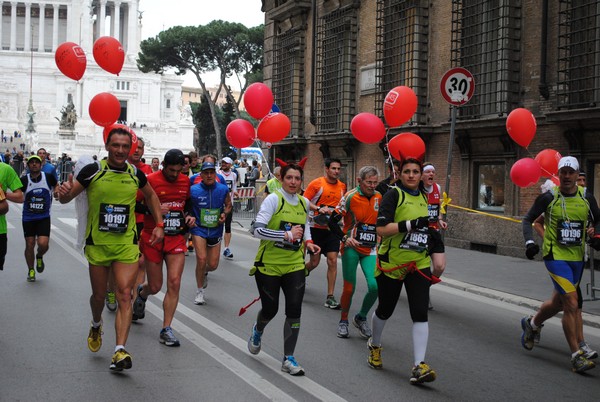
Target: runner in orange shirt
<point>324,194</point>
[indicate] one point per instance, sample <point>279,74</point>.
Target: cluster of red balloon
<point>521,127</point>
<point>273,126</point>
<point>399,106</point>
<point>104,108</point>
<point>108,53</point>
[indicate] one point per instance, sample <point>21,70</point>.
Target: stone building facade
<point>328,60</point>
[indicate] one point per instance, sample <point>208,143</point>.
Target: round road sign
<point>457,86</point>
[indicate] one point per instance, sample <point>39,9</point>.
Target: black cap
<point>174,157</point>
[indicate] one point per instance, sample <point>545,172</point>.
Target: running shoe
<point>228,254</point>
<point>94,339</point>
<point>31,276</point>
<point>581,363</point>
<point>39,264</point>
<point>363,326</point>
<point>167,338</point>
<point>332,303</point>
<point>199,297</point>
<point>374,355</point>
<point>528,336</point>
<point>139,305</point>
<point>588,351</point>
<point>190,246</point>
<point>342,331</point>
<point>111,301</point>
<point>254,343</point>
<point>422,373</point>
<point>290,365</point>
<point>121,360</point>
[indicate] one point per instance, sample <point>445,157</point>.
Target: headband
<point>428,168</point>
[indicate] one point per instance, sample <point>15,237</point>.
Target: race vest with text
<point>208,203</point>
<point>360,218</point>
<point>111,206</point>
<point>433,206</point>
<point>283,254</point>
<point>38,199</point>
<point>566,221</point>
<point>405,247</point>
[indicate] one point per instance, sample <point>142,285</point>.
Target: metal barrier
<point>591,287</point>
<point>245,204</point>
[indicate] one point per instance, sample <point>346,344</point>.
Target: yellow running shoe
<point>422,373</point>
<point>95,338</point>
<point>121,360</point>
<point>374,355</point>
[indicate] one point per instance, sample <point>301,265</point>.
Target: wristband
<point>310,242</point>
<point>344,239</point>
<point>160,225</point>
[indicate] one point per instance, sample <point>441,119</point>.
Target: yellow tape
<point>446,202</point>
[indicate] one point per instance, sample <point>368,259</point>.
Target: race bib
<point>365,234</point>
<point>287,245</point>
<point>114,218</point>
<point>174,223</point>
<point>416,240</point>
<point>209,218</point>
<point>434,212</point>
<point>36,205</point>
<point>229,184</point>
<point>570,233</point>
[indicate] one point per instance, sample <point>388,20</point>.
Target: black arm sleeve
<point>188,208</point>
<point>594,212</point>
<point>387,209</point>
<point>539,207</point>
<point>334,226</point>
<point>141,208</point>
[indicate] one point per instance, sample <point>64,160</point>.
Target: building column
<point>13,25</point>
<point>1,6</point>
<point>55,26</point>
<point>132,27</point>
<point>102,18</point>
<point>27,39</point>
<point>41,34</point>
<point>117,20</point>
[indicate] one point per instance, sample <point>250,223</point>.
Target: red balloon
<point>548,161</point>
<point>109,54</point>
<point>521,126</point>
<point>258,100</point>
<point>399,106</point>
<point>407,145</point>
<point>367,128</point>
<point>274,127</point>
<point>240,133</point>
<point>525,172</point>
<point>70,60</point>
<point>104,109</point>
<point>134,139</point>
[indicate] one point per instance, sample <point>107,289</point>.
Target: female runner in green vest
<point>279,263</point>
<point>403,260</point>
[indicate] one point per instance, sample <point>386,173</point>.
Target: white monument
<point>30,32</point>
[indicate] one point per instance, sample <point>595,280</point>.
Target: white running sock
<point>420,333</point>
<point>378,325</point>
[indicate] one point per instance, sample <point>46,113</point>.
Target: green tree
<point>230,48</point>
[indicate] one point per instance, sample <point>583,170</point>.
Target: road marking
<point>273,364</point>
<point>248,375</point>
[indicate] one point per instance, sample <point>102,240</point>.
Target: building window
<point>402,41</point>
<point>336,70</point>
<point>486,37</point>
<point>168,104</point>
<point>288,77</point>
<point>123,85</point>
<point>490,186</point>
<point>578,54</point>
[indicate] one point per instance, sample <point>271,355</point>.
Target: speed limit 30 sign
<point>457,86</point>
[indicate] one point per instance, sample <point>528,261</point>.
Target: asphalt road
<point>474,342</point>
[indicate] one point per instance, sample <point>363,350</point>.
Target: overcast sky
<point>159,15</point>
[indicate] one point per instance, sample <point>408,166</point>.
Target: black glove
<point>595,242</point>
<point>532,250</point>
<point>419,223</point>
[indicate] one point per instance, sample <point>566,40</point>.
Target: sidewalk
<point>512,280</point>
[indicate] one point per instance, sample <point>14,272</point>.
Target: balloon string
<point>390,158</point>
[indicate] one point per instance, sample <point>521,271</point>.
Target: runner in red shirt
<point>173,191</point>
